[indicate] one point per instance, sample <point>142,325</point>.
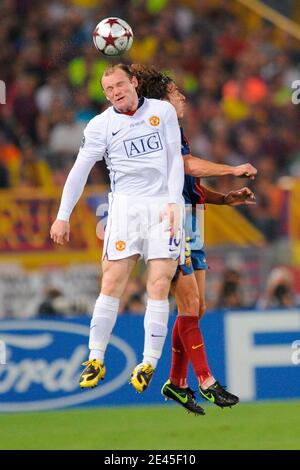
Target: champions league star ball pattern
<point>113,36</point>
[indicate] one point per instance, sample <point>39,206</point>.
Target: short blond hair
<point>111,68</point>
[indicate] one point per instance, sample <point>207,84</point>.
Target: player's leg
<point>187,303</point>
<point>184,289</point>
<point>190,298</point>
<point>209,388</point>
<point>160,274</point>
<point>161,252</point>
<point>200,277</point>
<point>189,328</point>
<point>114,280</point>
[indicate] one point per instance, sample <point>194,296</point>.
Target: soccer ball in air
<point>113,36</point>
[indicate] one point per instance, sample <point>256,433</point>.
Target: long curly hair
<point>152,83</point>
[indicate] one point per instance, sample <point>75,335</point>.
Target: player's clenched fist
<point>60,231</point>
<point>245,171</point>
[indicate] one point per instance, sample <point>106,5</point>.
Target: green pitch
<point>272,425</point>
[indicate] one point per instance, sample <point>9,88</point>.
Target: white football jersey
<point>142,152</point>
<point>134,147</point>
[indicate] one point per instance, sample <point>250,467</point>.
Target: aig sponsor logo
<point>143,145</point>
<point>43,363</point>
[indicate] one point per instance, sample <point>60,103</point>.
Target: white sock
<point>156,328</point>
<point>103,320</point>
<point>207,383</point>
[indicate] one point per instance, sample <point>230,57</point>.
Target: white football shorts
<point>134,227</point>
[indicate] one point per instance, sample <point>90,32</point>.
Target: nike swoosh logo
<point>183,400</point>
<point>198,346</point>
<point>158,336</point>
<point>115,133</point>
<point>173,249</point>
<point>209,396</point>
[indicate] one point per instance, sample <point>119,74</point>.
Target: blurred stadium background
<point>236,61</point>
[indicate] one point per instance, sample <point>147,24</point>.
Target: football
<point>113,36</point>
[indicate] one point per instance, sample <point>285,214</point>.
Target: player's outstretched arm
<point>74,186</point>
<point>196,166</point>
<point>92,150</point>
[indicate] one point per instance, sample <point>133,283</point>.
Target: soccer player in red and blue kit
<point>188,286</point>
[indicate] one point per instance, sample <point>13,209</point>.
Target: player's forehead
<point>114,77</point>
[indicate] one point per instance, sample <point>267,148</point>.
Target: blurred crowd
<point>236,74</point>
<point>234,283</point>
<point>229,293</point>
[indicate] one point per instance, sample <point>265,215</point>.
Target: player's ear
<point>135,82</point>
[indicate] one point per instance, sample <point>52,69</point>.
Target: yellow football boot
<point>93,372</point>
<point>141,376</point>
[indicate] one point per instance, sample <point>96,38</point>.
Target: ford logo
<point>44,363</point>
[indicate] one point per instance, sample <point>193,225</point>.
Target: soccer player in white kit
<point>140,141</point>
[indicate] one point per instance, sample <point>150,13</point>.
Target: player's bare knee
<point>159,288</point>
<point>110,290</point>
<point>191,305</point>
<point>111,286</point>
